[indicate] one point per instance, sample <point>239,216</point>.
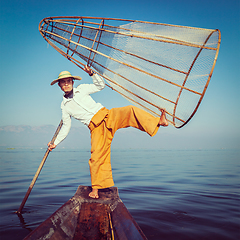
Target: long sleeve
<point>97,85</point>
<point>82,107</point>
<point>65,127</point>
<point>98,81</point>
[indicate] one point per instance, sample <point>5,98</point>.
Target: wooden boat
<point>82,217</point>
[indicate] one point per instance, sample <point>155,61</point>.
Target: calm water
<point>171,194</point>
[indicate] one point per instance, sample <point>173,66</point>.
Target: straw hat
<point>65,74</point>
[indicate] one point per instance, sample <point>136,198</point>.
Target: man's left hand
<point>88,70</point>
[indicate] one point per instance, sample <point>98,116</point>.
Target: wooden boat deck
<point>82,217</point>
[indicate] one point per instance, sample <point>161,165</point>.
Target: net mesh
<point>152,65</point>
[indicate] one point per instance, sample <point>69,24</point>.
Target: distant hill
<point>39,136</point>
<point>130,138</point>
<point>78,137</point>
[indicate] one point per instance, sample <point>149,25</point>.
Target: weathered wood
<point>82,217</point>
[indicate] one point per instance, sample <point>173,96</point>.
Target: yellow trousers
<point>103,126</point>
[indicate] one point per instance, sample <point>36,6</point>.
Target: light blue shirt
<point>81,106</point>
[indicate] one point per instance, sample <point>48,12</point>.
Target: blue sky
<point>28,65</point>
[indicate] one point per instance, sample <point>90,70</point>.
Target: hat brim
<point>74,78</point>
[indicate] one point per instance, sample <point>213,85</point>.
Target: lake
<point>172,194</point>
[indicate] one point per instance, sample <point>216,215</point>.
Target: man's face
<point>66,84</point>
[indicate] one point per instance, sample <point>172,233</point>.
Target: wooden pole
<point>19,211</point>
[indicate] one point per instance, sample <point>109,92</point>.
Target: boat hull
<point>82,217</point>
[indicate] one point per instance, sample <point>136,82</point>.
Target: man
<point>103,123</point>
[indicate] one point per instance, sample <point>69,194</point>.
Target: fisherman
<point>103,123</point>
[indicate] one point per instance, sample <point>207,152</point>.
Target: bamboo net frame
<point>153,65</point>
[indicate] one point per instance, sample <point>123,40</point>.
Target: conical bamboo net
<point>153,65</point>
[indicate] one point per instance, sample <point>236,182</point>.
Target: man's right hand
<point>51,146</point>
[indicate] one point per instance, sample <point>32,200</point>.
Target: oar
<point>19,211</point>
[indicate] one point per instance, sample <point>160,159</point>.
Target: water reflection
<point>23,223</point>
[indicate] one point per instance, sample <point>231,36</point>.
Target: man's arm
<point>63,132</point>
<point>98,81</point>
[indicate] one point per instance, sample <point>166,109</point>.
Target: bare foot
<point>94,193</point>
<point>163,121</point>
